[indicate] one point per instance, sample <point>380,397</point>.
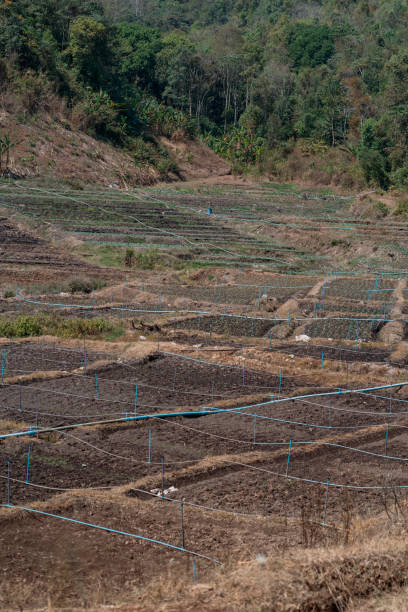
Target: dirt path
<point>393,332</point>
<point>315,291</point>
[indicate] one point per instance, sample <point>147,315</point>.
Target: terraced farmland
<point>241,397</point>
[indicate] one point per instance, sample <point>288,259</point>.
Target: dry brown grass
<point>390,602</point>
<point>400,354</point>
<point>35,376</point>
<point>6,425</point>
<point>303,581</point>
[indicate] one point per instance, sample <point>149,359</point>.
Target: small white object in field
<point>158,492</point>
<point>261,559</point>
<point>302,338</point>
<point>142,337</point>
<point>64,294</point>
<point>197,345</point>
<point>292,356</point>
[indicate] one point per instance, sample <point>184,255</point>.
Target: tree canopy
<point>260,73</point>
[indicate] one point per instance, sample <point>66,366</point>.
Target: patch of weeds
<point>116,333</point>
<point>339,242</point>
<point>53,461</point>
<point>29,158</point>
<point>129,257</point>
<point>167,166</point>
<point>102,254</point>
<point>85,285</point>
<point>381,209</point>
<point>144,152</point>
<point>95,156</point>
<point>148,259</point>
<point>151,154</point>
<point>73,285</point>
<point>21,327</point>
<point>74,183</point>
<point>25,326</point>
<point>9,294</point>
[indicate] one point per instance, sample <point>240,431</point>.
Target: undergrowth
<point>26,326</point>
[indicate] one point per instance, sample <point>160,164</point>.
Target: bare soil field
<point>239,421</point>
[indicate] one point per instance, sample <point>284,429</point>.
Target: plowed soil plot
<point>163,385</point>
<point>228,325</point>
<point>24,357</point>
<point>256,478</point>
<point>130,311</point>
<point>263,488</point>
<point>20,249</point>
<point>360,289</point>
<point>118,453</point>
<point>344,328</point>
<point>360,307</point>
<point>73,564</point>
<point>338,353</point>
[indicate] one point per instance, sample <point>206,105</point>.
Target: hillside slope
<point>50,148</point>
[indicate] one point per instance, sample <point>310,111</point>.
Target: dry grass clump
<point>303,581</point>
<point>392,332</point>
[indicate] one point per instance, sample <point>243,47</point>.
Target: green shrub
<point>381,209</point>
<point>144,152</point>
<point>34,92</point>
<point>85,285</point>
<point>21,327</point>
<point>238,145</point>
<point>402,209</point>
<point>166,166</point>
<point>9,294</point>
<point>26,326</point>
<point>77,328</point>
<point>400,177</point>
<point>97,115</point>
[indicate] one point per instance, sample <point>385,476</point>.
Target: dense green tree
<point>372,154</point>
<point>89,52</point>
<point>137,50</point>
<point>251,75</point>
<point>310,44</point>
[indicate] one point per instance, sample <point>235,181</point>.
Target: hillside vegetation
<point>313,89</point>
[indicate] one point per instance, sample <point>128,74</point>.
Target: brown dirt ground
<point>265,528</point>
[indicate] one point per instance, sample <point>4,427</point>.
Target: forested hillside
<point>259,80</point>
